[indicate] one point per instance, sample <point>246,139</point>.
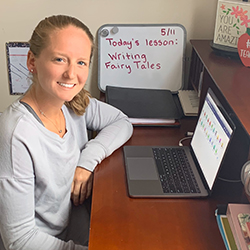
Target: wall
<point>18,19</point>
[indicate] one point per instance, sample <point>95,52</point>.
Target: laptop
<point>150,172</point>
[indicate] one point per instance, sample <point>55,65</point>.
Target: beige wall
<point>19,17</point>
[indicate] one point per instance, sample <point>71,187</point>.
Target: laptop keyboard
<point>175,173</point>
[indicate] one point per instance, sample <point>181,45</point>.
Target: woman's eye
<point>82,63</point>
<point>58,59</point>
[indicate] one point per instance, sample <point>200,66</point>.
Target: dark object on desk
<point>154,105</point>
<point>225,51</point>
<point>182,172</point>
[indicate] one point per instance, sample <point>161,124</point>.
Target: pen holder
<point>245,178</point>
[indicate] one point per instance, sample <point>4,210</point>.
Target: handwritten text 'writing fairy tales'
<point>124,55</point>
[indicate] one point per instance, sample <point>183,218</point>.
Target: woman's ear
<point>31,62</point>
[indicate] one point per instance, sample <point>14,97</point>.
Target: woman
<point>45,155</point>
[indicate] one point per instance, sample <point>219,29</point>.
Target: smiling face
<point>61,69</point>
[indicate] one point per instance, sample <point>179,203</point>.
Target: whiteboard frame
<point>102,85</point>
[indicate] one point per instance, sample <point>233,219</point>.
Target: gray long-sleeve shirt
<point>37,168</point>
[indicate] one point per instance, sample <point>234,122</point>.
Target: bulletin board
<point>18,73</point>
<point>141,56</point>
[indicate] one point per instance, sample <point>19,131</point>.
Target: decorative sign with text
<point>232,21</point>
<point>141,56</point>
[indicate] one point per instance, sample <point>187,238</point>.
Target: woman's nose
<point>70,72</point>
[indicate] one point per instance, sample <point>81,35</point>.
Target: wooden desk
<point>119,222</point>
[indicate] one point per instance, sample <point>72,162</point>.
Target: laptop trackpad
<point>142,169</point>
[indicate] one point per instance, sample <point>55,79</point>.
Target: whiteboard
<point>141,56</point>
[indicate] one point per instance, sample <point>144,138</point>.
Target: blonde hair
<point>40,39</point>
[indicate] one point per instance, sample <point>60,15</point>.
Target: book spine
<point>231,223</point>
<point>222,231</point>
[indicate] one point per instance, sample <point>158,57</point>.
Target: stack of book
<point>234,225</point>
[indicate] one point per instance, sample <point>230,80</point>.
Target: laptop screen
<point>211,137</point>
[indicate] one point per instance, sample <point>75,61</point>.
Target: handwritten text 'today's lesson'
<point>129,60</point>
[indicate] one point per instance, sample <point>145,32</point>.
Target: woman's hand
<point>81,186</point>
